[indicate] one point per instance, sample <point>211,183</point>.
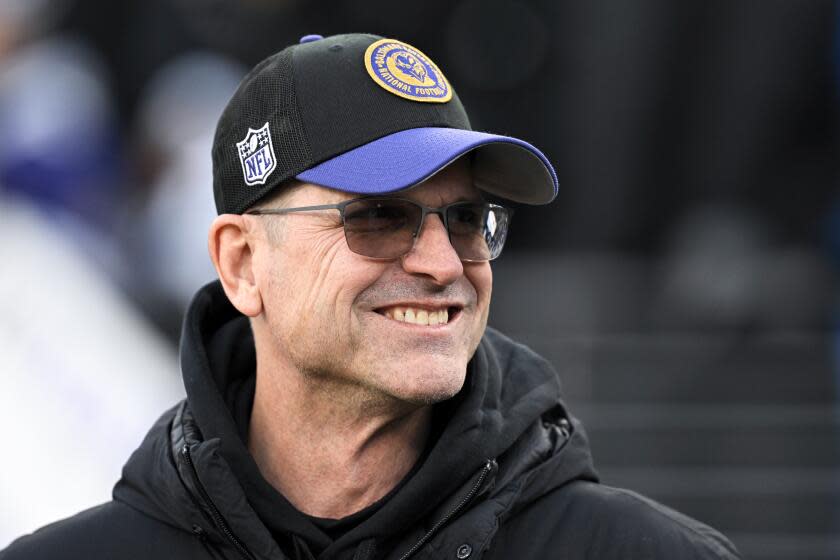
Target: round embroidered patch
<point>403,70</point>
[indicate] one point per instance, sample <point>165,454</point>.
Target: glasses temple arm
<point>275,211</point>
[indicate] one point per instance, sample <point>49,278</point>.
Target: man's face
<point>331,313</point>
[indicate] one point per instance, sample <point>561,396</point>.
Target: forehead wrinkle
<point>451,184</point>
<point>405,194</point>
<point>441,195</point>
<point>318,194</point>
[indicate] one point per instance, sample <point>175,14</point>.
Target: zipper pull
<point>199,532</point>
<point>565,428</point>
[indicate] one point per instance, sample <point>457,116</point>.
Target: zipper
<point>214,511</point>
<point>485,472</point>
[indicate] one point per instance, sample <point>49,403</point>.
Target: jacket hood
<point>509,415</point>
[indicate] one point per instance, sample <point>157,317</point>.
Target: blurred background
<point>685,282</point>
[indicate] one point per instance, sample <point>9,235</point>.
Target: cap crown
<point>319,101</point>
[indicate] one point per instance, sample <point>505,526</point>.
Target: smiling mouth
<point>421,316</point>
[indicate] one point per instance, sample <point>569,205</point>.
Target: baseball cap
<point>361,114</point>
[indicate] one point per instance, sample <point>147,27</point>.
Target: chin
<point>426,390</point>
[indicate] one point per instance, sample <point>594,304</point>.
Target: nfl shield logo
<point>256,152</point>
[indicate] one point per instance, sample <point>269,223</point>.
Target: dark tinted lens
<point>381,227</point>
<point>477,231</point>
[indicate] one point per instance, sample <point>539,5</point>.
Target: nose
<point>433,254</point>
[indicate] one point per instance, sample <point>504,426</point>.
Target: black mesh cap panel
<point>267,94</point>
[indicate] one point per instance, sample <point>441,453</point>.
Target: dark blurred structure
<point>648,108</point>
<point>685,283</point>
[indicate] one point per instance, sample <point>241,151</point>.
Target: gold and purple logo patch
<point>403,70</point>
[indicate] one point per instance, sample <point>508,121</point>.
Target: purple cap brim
<point>503,166</point>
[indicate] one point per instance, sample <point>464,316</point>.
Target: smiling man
<point>345,398</point>
<point>352,348</point>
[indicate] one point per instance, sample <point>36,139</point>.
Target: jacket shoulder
<point>110,530</point>
<point>590,520</point>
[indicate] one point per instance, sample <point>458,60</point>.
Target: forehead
<point>451,184</point>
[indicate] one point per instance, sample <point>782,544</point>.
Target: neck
<point>329,448</point>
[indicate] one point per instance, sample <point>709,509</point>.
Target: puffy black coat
<point>509,476</point>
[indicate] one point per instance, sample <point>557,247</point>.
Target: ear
<point>232,251</point>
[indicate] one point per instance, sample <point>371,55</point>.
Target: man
<point>344,396</point>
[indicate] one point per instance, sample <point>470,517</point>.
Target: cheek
<point>315,288</point>
<point>298,272</point>
<point>480,276</point>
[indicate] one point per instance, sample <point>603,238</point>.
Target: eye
<point>467,217</point>
<point>372,216</point>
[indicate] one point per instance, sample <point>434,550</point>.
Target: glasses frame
<point>425,211</point>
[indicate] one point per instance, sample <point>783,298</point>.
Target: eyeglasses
<point>387,228</point>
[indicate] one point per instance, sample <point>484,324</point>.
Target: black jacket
<point>508,475</point>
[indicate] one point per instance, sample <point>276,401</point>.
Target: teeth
<point>418,316</point>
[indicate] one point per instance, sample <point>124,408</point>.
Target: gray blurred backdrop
<point>684,283</point>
